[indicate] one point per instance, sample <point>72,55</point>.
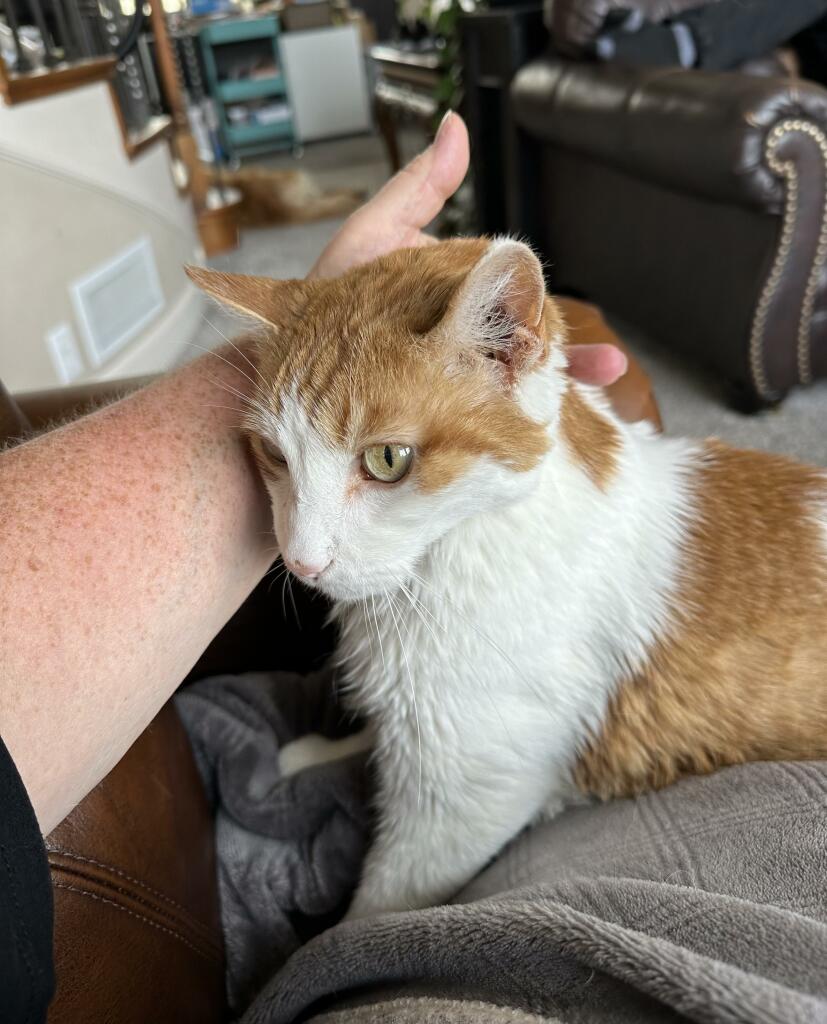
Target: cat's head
<point>396,401</point>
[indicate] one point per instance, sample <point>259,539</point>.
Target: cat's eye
<point>272,452</point>
<point>387,463</point>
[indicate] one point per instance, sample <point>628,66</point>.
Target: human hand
<point>395,216</point>
<point>599,364</point>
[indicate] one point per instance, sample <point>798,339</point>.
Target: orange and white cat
<point>536,600</point>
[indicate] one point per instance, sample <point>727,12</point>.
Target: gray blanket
<point>288,850</point>
<point>706,901</point>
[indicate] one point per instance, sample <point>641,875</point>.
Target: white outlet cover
<point>63,348</point>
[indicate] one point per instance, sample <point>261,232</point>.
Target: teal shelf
<point>237,30</point>
<point>251,89</point>
<point>262,35</point>
<point>255,134</point>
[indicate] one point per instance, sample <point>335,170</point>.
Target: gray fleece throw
<point>706,901</point>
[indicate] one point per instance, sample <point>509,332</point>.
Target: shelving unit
<point>238,54</point>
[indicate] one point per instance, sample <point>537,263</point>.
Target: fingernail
<point>448,115</point>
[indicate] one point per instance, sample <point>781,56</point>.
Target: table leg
<point>387,128</point>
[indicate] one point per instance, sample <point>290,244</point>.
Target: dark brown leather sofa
<point>692,204</point>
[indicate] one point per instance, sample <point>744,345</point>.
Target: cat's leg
<point>313,748</point>
<point>431,841</point>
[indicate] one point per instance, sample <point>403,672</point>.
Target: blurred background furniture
<point>336,103</point>
<point>245,78</point>
<point>691,203</point>
<point>406,80</point>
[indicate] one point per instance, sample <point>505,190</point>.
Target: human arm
<point>128,539</point>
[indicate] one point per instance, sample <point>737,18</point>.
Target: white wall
<point>72,200</point>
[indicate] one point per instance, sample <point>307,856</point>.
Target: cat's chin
<point>352,590</point>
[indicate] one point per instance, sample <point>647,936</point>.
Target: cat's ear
<point>260,297</point>
<point>498,308</point>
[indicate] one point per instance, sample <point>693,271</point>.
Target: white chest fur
<point>483,674</point>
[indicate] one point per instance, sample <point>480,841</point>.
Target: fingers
<point>393,219</point>
<point>412,198</point>
<point>597,364</point>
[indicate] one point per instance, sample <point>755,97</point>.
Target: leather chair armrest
<point>720,135</point>
<point>137,929</point>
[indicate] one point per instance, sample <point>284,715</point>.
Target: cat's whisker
<point>224,386</point>
<point>227,408</point>
<point>212,352</point>
<point>274,580</point>
<point>419,606</point>
<point>243,354</point>
<point>367,625</point>
<point>389,602</point>
<point>293,600</point>
<point>378,633</point>
<point>444,598</point>
<point>483,636</point>
<point>414,603</point>
<point>247,400</point>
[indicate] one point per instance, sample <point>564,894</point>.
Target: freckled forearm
<point>128,540</point>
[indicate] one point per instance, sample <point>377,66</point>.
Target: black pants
<point>730,32</point>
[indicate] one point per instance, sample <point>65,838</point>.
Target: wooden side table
<point>406,81</point>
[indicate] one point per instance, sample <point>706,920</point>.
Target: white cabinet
<point>326,81</point>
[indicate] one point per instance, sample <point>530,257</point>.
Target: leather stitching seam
<point>132,913</point>
<point>186,918</point>
<point>120,874</point>
<point>787,170</point>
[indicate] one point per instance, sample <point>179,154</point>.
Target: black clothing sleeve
<point>26,962</point>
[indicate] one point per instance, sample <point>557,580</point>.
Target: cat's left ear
<point>261,297</point>
<point>499,307</point>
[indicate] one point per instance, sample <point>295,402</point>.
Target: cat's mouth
<point>341,586</point>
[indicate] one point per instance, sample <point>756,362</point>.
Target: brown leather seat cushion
<point>137,928</point>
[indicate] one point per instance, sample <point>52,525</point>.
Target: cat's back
<point>757,541</point>
<point>741,672</point>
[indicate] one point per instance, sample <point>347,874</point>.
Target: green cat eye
<point>387,463</point>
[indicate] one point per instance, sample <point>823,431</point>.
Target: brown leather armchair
<point>692,204</point>
<point>137,927</point>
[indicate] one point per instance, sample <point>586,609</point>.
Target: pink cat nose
<point>304,570</point>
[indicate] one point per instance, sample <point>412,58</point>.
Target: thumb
<point>393,219</point>
<point>412,198</point>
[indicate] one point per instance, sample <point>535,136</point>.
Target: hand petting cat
<point>397,214</point>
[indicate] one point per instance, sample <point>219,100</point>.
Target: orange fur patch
<point>743,674</point>
<point>592,439</point>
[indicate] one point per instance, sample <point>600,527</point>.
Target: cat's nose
<point>305,570</point>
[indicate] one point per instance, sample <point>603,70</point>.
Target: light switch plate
<point>65,353</point>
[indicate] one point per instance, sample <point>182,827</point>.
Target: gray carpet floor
<point>690,400</point>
